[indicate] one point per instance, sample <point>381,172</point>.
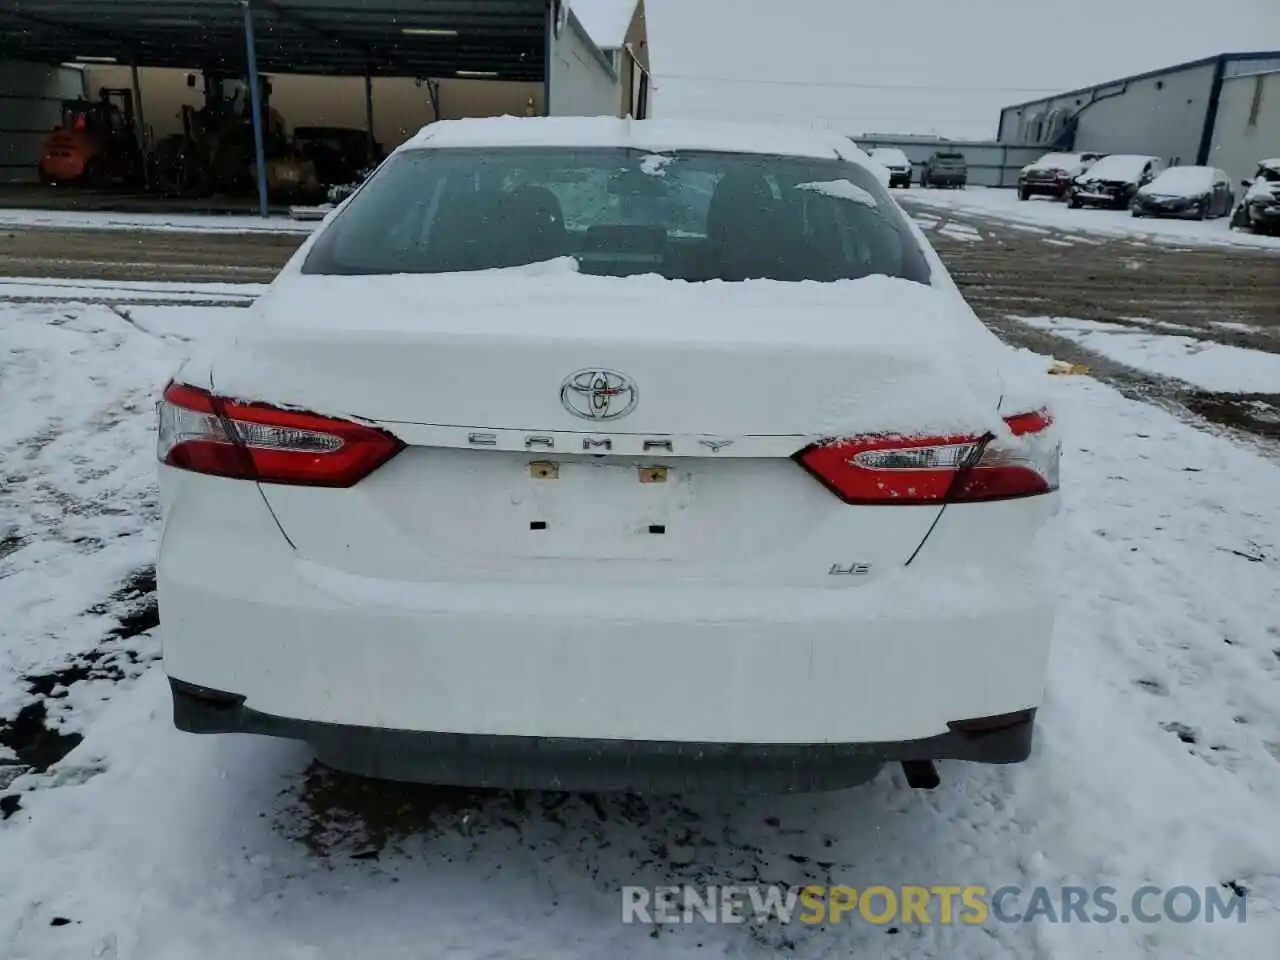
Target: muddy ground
<point>1016,270</point>
<point>143,255</point>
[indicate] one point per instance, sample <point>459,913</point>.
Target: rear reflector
<point>884,469</point>
<point>251,441</point>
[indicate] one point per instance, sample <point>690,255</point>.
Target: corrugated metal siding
<point>1244,135</point>
<point>583,80</point>
<point>1161,114</point>
<point>1248,68</point>
<point>31,98</point>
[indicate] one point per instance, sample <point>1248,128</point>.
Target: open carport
<point>521,41</point>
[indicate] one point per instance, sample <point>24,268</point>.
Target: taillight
<point>883,469</point>
<point>251,441</point>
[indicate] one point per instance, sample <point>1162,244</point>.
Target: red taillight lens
<point>250,441</point>
<point>884,469</point>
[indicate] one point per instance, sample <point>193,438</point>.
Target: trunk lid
<point>647,423</point>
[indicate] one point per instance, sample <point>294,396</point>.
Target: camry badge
<point>598,394</point>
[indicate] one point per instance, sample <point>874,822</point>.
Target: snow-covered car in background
<point>1189,192</point>
<point>1113,181</point>
<point>1259,208</point>
<point>541,465</point>
<point>896,162</point>
<point>1051,175</point>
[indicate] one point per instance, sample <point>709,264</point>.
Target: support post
<point>433,94</point>
<point>143,139</point>
<point>368,110</point>
<point>255,99</point>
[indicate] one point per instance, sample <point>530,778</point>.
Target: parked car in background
<point>945,168</point>
<point>897,162</point>
<point>1114,181</point>
<point>1195,192</point>
<point>1051,175</point>
<point>1259,209</point>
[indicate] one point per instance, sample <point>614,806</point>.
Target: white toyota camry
<point>596,454</point>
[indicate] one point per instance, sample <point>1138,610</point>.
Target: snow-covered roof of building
<point>654,135</point>
<point>606,21</point>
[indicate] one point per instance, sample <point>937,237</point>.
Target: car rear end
<point>1104,193</point>
<point>1111,182</point>
<point>1264,212</point>
<point>1260,207</point>
<point>536,529</point>
<point>897,163</point>
<point>1050,176</point>
<point>948,170</point>
<point>1181,192</point>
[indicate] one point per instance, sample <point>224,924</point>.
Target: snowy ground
<point>127,292</point>
<point>1216,367</point>
<point>1157,759</point>
<point>153,222</point>
<point>1049,217</point>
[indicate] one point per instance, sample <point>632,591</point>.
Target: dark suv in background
<point>1051,175</point>
<point>944,168</point>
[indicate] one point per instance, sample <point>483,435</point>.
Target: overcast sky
<point>923,66</point>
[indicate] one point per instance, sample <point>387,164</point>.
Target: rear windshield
<point>683,215</point>
<point>949,156</point>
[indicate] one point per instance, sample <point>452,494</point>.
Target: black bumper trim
<point>597,765</point>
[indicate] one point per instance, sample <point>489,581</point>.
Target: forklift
<point>95,143</point>
<point>215,151</point>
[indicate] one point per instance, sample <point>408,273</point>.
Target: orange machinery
<point>95,143</point>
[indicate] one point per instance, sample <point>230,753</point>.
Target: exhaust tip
<point>921,774</point>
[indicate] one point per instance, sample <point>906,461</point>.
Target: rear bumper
<point>534,763</point>
<point>1114,197</point>
<point>1166,213</point>
<point>878,671</point>
<point>1263,215</point>
<point>1045,188</point>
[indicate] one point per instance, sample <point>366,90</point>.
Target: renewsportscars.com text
<point>943,904</point>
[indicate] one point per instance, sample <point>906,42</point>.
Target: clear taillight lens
<point>882,469</point>
<point>222,437</point>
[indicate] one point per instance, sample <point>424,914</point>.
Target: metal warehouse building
<point>1222,111</point>
<point>392,65</point>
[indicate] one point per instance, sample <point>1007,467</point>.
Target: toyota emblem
<point>597,394</point>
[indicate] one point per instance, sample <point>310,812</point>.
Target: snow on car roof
<point>1272,164</point>
<point>1055,159</point>
<point>1119,166</point>
<point>606,21</point>
<point>655,135</point>
<point>1177,180</point>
